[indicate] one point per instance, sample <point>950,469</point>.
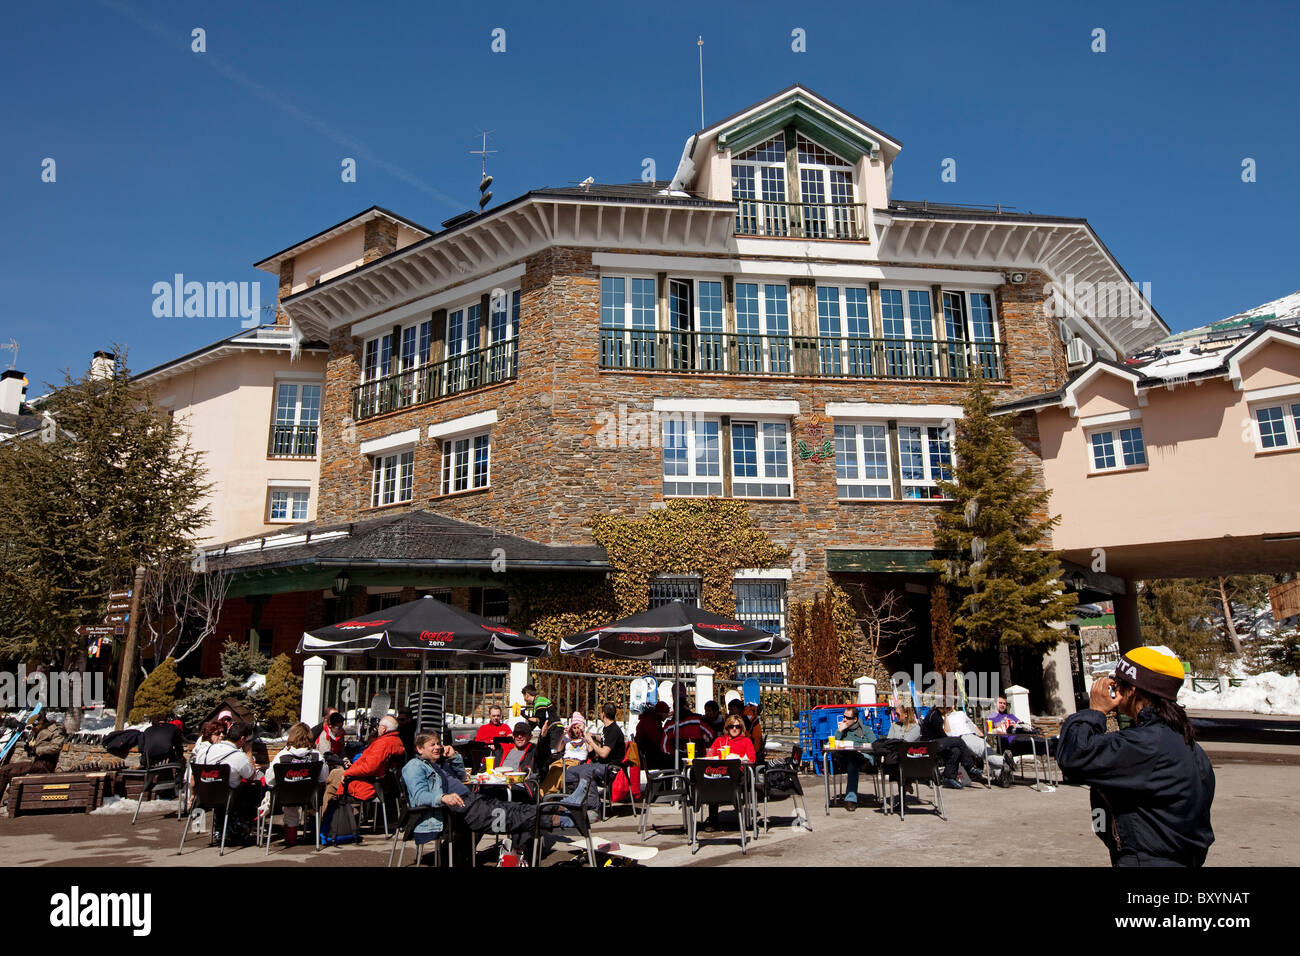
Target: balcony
<point>650,350</point>
<point>292,441</point>
<point>788,220</point>
<point>463,372</point>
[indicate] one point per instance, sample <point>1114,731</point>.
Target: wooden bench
<point>55,793</point>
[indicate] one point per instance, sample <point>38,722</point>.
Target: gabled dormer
<point>797,166</point>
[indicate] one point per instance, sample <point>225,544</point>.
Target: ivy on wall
<point>710,537</point>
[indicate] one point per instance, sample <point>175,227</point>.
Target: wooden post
<point>128,656</point>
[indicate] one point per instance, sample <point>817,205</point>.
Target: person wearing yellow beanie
<point>1152,784</point>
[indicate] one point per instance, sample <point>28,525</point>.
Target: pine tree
<point>1175,613</point>
<point>156,696</point>
<point>283,693</point>
<point>239,662</point>
<point>109,483</point>
<point>943,643</point>
<point>995,529</point>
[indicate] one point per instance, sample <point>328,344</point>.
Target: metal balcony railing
<point>823,357</point>
<point>293,441</point>
<point>801,220</point>
<point>462,372</point>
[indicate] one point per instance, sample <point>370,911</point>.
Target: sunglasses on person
<point>740,727</point>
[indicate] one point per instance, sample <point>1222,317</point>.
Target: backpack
<point>340,825</point>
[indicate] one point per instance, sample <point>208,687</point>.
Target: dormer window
<point>825,188</point>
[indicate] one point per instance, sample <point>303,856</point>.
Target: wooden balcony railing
<point>751,354</point>
<point>801,220</point>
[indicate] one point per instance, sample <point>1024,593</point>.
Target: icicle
<point>977,548</point>
<point>972,511</point>
<point>295,341</point>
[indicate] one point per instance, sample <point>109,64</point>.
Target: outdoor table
<point>1022,745</point>
<point>750,776</point>
<point>828,764</point>
<point>505,781</point>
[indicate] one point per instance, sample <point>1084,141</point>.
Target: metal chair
<point>914,761</point>
<point>663,786</point>
<point>149,774</point>
<point>717,781</point>
<point>579,814</point>
<point>297,784</point>
<point>212,791</point>
<point>780,781</point>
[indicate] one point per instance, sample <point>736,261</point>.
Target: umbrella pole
<point>419,714</point>
<point>678,692</point>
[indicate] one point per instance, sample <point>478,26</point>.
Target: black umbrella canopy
<point>424,626</point>
<point>676,630</point>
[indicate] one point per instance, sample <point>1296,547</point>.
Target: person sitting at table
<point>853,730</point>
<point>606,756</point>
<point>575,740</point>
<point>1002,719</point>
<point>406,729</point>
<point>903,725</point>
<point>245,780</point>
<point>713,717</point>
<point>329,742</point>
<point>386,750</point>
<point>689,727</point>
<point>737,743</point>
<point>432,783</point>
<point>520,756</point>
<point>297,750</point>
<point>952,751</point>
<point>325,718</point>
<point>494,729</point>
<point>649,736</point>
<point>958,724</point>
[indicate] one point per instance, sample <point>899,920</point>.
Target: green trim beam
<point>808,120</point>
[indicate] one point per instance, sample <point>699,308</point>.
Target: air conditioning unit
<point>1078,352</point>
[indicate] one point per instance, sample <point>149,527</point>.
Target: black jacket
<point>1153,791</point>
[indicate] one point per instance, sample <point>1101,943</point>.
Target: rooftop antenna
<point>700,43</point>
<point>11,345</point>
<point>485,184</point>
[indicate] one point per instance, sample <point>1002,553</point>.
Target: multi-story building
<point>771,325</point>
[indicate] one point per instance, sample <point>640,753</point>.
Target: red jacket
<point>740,746</point>
<point>488,733</point>
<point>374,761</point>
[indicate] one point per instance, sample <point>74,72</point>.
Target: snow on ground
<point>100,721</point>
<point>1262,694</point>
<point>118,805</point>
<point>255,682</point>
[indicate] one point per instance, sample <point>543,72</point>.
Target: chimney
<point>13,390</point>
<point>102,365</point>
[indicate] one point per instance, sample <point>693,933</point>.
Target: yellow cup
<point>690,750</point>
<point>514,709</point>
<point>490,763</point>
<point>726,752</point>
<point>830,742</point>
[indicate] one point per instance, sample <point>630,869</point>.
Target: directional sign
<point>119,630</point>
<point>93,630</point>
<point>115,606</point>
<point>116,618</point>
<point>120,595</point>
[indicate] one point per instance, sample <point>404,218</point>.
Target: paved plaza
<point>1256,821</point>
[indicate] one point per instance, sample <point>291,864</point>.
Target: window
<point>1278,426</point>
<point>1108,451</point>
<point>465,463</point>
<point>760,460</point>
<point>908,327</point>
<point>289,505</point>
<point>760,603</point>
<point>692,456</point>
<point>759,189</point>
<point>666,590</point>
<point>826,188</point>
<point>844,348</point>
<point>627,322</point>
<point>503,331</point>
<point>762,327</point>
<point>297,420</point>
<point>392,479</point>
<point>971,329</point>
<point>463,360</point>
<point>924,459</point>
<point>862,461</point>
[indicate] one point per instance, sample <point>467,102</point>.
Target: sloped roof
<point>410,539</point>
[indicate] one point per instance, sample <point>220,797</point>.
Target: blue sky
<point>173,161</point>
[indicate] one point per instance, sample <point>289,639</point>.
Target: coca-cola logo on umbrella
<point>721,627</point>
<point>436,637</point>
<point>359,625</point>
<point>642,638</point>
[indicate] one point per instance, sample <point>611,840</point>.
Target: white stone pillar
<point>313,690</point>
<point>516,683</point>
<point>1223,684</point>
<point>866,690</point>
<point>703,687</point>
<point>1018,702</point>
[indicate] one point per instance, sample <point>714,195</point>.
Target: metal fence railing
<point>783,703</point>
<point>467,694</point>
<point>571,691</point>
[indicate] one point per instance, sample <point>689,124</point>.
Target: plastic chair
<point>663,786</point>
<point>297,785</point>
<point>717,781</point>
<point>555,803</point>
<point>914,761</point>
<point>405,830</point>
<point>780,781</point>
<point>150,774</point>
<point>212,791</point>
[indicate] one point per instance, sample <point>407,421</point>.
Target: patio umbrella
<point>424,626</point>
<point>676,630</point>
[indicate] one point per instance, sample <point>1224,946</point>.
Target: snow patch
<point>1261,694</point>
<point>115,806</point>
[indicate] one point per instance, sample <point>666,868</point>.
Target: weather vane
<point>486,182</point>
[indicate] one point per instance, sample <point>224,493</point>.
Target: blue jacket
<point>425,788</point>
<point>1151,792</point>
